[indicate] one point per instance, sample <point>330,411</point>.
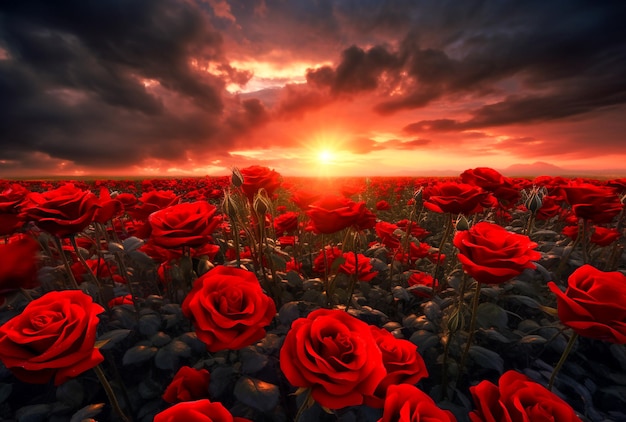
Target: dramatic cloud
<point>150,85</point>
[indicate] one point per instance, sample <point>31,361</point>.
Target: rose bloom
<point>259,177</point>
<point>599,204</point>
<point>419,278</point>
<point>491,180</point>
<point>457,198</point>
<point>403,363</point>
<point>334,213</point>
<point>323,262</point>
<point>121,300</point>
<point>53,338</point>
<point>109,207</point>
<point>10,201</point>
<point>407,403</point>
<point>188,224</point>
<point>359,265</point>
<point>417,231</point>
<point>383,205</point>
<point>197,411</point>
<point>286,223</point>
<point>493,255</point>
<point>188,384</point>
<point>64,211</point>
<point>18,265</point>
<point>518,398</point>
<point>228,308</point>
<point>335,355</point>
<point>601,236</point>
<point>593,304</point>
<point>386,232</point>
<point>152,201</point>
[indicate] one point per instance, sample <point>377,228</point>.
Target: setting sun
<point>325,157</point>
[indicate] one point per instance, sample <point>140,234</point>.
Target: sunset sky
<point>346,87</point>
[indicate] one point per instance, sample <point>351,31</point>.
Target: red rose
<point>109,207</point>
<point>599,204</point>
<point>601,236</point>
<point>334,213</point>
<point>53,337</point>
<point>550,207</point>
<point>518,398</point>
<point>10,201</point>
<point>188,384</point>
<point>18,265</point>
<point>259,177</point>
<point>197,411</point>
<point>286,223</point>
<point>61,212</point>
<point>383,205</point>
<point>228,308</point>
<point>491,180</point>
<point>416,251</point>
<point>417,231</point>
<point>335,355</point>
<point>387,234</point>
<point>493,255</point>
<point>188,224</point>
<point>303,199</point>
<point>151,202</point>
<point>593,304</point>
<point>407,403</point>
<point>121,300</point>
<point>457,198</point>
<point>419,278</point>
<point>359,265</point>
<point>403,363</point>
<point>323,262</point>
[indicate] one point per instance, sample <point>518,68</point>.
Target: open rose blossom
<point>518,398</point>
<point>18,264</point>
<point>188,224</point>
<point>599,204</point>
<point>188,384</point>
<point>335,355</point>
<point>228,308</point>
<point>403,363</point>
<point>407,403</point>
<point>331,214</point>
<point>259,177</point>
<point>491,254</point>
<point>53,338</point>
<point>197,411</point>
<point>593,304</point>
<point>63,211</point>
<point>457,198</point>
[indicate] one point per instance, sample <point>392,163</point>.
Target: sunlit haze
<point>378,88</point>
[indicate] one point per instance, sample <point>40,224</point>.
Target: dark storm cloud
<point>107,84</point>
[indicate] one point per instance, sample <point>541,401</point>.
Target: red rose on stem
<point>407,403</point>
<point>493,255</point>
<point>457,198</point>
<point>387,234</point>
<point>188,224</point>
<point>228,308</point>
<point>286,223</point>
<point>335,355</point>
<point>259,177</point>
<point>419,278</point>
<point>323,262</point>
<point>188,384</point>
<point>53,338</point>
<point>518,398</point>
<point>109,207</point>
<point>150,202</point>
<point>363,268</point>
<point>334,213</point>
<point>18,264</point>
<point>10,202</point>
<point>599,204</point>
<point>63,211</point>
<point>197,411</point>
<point>593,304</point>
<point>403,363</point>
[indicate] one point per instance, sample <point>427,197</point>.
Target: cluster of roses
<point>330,355</point>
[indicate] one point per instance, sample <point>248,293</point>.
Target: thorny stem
<point>557,368</point>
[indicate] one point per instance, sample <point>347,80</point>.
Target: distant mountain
<point>538,168</point>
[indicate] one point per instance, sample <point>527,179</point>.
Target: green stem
<point>110,394</point>
<point>442,243</point>
<point>557,368</point>
<point>472,327</point>
<point>66,263</point>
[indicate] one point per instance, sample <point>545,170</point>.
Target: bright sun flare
<point>325,157</point>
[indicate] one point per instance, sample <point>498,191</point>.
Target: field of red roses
<point>264,298</point>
